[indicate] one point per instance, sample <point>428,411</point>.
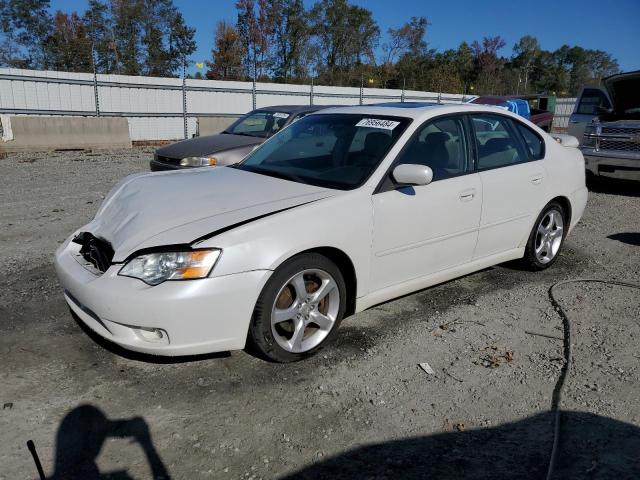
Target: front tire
<point>546,238</point>
<point>299,309</point>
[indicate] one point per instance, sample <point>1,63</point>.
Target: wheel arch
<point>565,203</point>
<point>346,267</point>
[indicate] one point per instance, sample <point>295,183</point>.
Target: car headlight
<point>589,137</point>
<point>155,268</point>
<point>209,161</point>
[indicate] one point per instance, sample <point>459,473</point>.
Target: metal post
<point>361,88</point>
<point>184,97</point>
<point>402,94</point>
<point>439,97</point>
<point>311,93</point>
<point>95,81</point>
<point>253,89</point>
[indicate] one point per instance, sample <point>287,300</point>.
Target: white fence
<point>159,108</point>
<point>564,109</point>
<point>166,109</point>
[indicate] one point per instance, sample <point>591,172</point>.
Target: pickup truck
<point>538,115</point>
<point>606,119</point>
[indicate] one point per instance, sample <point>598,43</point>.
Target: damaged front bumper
<point>174,318</point>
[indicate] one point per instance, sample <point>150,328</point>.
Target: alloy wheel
<point>549,235</point>
<point>305,310</point>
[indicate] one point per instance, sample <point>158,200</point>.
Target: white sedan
<point>342,210</point>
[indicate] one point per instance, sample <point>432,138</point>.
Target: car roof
<point>293,108</point>
<point>414,110</point>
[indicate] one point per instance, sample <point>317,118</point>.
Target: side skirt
<point>398,290</point>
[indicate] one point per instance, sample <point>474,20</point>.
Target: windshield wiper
<point>276,174</point>
<point>244,134</point>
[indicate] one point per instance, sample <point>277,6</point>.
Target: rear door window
<point>532,141</point>
<point>497,144</point>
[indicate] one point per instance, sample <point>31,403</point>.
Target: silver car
<point>607,120</point>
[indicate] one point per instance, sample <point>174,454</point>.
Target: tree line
<point>334,42</point>
<point>128,37</point>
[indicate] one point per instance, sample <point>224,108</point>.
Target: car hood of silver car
<point>178,208</point>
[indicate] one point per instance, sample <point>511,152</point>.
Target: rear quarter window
<point>533,141</point>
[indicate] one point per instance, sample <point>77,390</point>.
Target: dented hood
<point>170,208</point>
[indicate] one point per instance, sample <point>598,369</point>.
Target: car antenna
<point>32,448</point>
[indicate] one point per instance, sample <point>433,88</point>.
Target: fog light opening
<point>154,335</point>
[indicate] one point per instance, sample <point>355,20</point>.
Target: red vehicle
<point>540,107</point>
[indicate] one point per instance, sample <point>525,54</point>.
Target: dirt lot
<point>362,408</point>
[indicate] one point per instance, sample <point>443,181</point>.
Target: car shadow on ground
<point>631,238</point>
<point>82,434</point>
<point>591,446</point>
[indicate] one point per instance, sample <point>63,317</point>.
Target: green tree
<point>525,54</point>
<point>227,54</point>
<point>24,28</point>
<point>68,47</point>
<point>488,64</point>
<point>100,29</point>
<point>406,43</point>
<point>291,36</point>
<point>139,37</point>
<point>255,26</point>
<point>346,37</point>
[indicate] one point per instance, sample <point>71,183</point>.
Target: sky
<point>609,25</point>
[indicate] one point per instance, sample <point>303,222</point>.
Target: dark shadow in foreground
<point>632,238</point>
<point>81,435</point>
<point>142,357</point>
<point>592,447</point>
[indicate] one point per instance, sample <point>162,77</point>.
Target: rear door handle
<point>536,179</point>
<point>467,195</point>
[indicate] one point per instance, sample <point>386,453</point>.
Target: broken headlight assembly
<point>157,267</point>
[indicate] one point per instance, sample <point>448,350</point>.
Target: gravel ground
<point>362,408</point>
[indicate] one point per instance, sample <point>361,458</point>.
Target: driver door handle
<point>467,195</point>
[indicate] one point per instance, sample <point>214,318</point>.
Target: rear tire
<point>546,238</point>
<point>299,309</point>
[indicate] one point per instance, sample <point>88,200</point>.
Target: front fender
<point>343,222</point>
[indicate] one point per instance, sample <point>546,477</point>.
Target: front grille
<point>620,131</point>
<point>95,250</point>
<point>620,145</point>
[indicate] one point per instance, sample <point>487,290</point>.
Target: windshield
<point>329,150</point>
<point>259,123</point>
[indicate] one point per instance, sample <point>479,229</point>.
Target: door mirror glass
<point>412,174</point>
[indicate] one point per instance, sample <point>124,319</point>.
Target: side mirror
<point>412,174</point>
